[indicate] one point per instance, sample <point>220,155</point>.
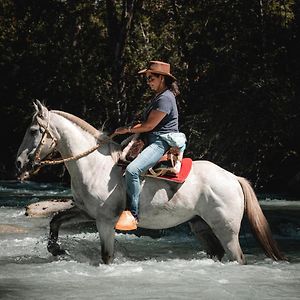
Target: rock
<point>9,228</point>
<point>48,208</point>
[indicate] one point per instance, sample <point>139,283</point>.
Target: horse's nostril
<point>18,164</point>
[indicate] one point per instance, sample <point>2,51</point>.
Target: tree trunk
<point>118,27</point>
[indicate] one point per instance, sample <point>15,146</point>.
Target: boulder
<point>9,228</point>
<point>48,208</point>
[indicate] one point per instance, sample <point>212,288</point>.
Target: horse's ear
<point>40,109</point>
<point>35,107</point>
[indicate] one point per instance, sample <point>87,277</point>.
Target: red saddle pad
<point>186,166</point>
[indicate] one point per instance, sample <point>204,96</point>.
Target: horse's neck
<point>94,174</point>
<point>73,140</point>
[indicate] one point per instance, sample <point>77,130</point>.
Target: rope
<point>78,156</point>
<point>156,174</point>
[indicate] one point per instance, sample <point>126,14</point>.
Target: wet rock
<point>9,228</point>
<point>48,208</point>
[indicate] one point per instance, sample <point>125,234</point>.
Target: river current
<point>166,265</point>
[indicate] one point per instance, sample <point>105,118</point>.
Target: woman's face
<point>156,82</point>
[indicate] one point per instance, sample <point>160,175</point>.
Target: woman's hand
<point>121,130</point>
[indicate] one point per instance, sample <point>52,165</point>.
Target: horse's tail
<point>258,222</point>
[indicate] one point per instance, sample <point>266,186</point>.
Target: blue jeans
<point>145,160</point>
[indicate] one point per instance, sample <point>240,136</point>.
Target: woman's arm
<point>154,118</point>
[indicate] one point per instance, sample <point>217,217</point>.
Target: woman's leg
<point>145,160</point>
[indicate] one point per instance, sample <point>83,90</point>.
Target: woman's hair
<point>170,83</point>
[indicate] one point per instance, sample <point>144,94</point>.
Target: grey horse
<point>212,199</point>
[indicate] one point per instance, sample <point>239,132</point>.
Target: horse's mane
<point>81,123</point>
<point>115,148</point>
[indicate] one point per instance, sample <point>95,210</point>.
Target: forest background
<point>236,61</point>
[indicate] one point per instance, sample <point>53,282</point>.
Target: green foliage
<point>236,63</point>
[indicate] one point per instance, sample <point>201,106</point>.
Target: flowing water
<point>168,265</point>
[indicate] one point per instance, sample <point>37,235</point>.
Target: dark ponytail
<point>172,85</point>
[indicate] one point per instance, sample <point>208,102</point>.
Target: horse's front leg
<point>71,215</point>
<point>107,238</point>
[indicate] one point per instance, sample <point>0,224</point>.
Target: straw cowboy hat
<point>158,67</point>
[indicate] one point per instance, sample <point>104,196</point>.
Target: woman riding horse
<point>160,122</point>
<point>212,199</point>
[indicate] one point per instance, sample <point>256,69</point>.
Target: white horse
<point>211,198</point>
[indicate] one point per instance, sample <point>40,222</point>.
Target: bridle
<point>36,156</point>
<point>38,163</point>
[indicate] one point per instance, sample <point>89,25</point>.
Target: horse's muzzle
<point>24,170</point>
<point>18,165</point>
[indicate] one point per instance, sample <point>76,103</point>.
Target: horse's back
<point>208,168</point>
<point>211,175</point>
<point>207,189</point>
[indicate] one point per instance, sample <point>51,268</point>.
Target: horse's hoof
<point>55,249</point>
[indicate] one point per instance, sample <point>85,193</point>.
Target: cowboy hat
<point>158,67</point>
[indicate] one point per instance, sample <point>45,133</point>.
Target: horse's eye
<point>33,131</point>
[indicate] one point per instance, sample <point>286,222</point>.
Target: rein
<point>78,156</point>
<point>37,159</point>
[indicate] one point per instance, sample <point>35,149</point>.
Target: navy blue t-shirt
<point>165,102</point>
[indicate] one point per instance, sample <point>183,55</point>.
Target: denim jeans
<point>146,159</point>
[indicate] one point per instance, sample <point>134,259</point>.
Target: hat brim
<point>144,71</point>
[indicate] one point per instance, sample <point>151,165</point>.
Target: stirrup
<point>126,221</point>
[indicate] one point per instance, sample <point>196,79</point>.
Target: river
<point>169,266</point>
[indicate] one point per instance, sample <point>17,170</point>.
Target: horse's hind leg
<point>229,239</point>
<point>71,215</point>
<point>233,248</point>
<point>207,238</point>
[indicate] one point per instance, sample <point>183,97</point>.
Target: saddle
<point>167,167</point>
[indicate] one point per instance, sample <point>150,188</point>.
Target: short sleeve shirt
<point>165,102</point>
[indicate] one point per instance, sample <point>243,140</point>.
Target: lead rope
<point>78,156</point>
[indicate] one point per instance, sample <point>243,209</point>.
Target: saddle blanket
<point>186,166</point>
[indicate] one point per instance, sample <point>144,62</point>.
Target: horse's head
<point>37,143</point>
